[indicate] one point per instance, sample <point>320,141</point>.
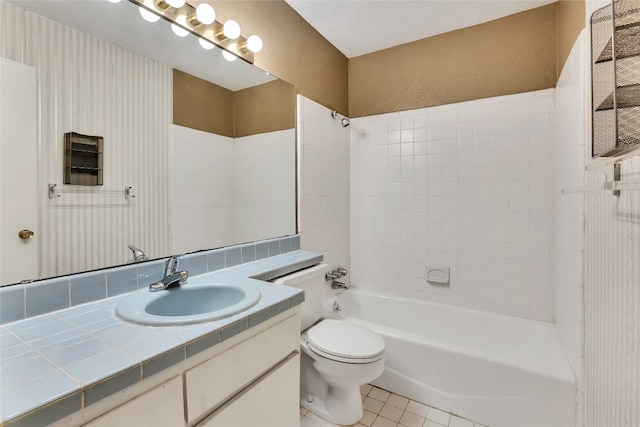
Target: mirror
<point>199,152</point>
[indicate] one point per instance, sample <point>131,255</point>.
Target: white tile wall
<point>323,184</point>
<point>465,186</point>
<point>226,192</point>
<point>265,185</point>
<point>202,208</point>
<point>567,248</point>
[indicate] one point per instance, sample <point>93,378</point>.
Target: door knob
<point>26,234</point>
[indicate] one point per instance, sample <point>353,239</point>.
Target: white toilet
<point>337,356</point>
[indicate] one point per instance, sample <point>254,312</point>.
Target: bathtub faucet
<point>339,285</point>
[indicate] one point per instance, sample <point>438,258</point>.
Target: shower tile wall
<point>226,192</point>
<point>323,185</point>
<point>265,185</point>
<point>202,211</point>
<point>568,154</point>
<point>465,186</point>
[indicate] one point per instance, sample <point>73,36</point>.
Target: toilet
<point>337,356</point>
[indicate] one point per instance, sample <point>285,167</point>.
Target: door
<point>18,173</point>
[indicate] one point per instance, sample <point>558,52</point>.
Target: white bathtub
<point>497,370</point>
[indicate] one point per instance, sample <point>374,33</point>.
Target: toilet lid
<point>345,340</point>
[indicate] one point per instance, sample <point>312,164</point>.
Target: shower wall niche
<point>615,45</point>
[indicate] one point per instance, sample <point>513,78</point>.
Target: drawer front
<point>209,384</point>
<point>273,401</point>
<point>161,406</point>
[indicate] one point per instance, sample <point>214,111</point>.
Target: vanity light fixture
<point>230,30</point>
<point>206,44</point>
<point>178,30</point>
<point>229,56</point>
<point>200,21</point>
<point>203,15</point>
<point>253,44</point>
<point>166,4</point>
<point>148,15</point>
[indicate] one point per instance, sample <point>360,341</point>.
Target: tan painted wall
<point>518,53</point>
<point>199,104</point>
<point>293,50</point>
<point>510,55</point>
<point>571,20</point>
<point>266,108</point>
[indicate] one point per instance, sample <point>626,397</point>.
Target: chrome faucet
<point>172,277</point>
<point>138,255</point>
<point>339,285</point>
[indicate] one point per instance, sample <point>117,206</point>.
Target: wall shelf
<point>615,66</point>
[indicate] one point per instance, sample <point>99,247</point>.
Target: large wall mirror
<point>198,152</point>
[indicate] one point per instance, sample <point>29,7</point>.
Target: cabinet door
<point>159,407</point>
<point>272,401</point>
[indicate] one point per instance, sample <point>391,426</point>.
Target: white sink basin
<point>188,304</point>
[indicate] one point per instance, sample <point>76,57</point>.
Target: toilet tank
<point>312,281</point>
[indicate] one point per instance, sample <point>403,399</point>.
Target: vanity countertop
<point>74,357</point>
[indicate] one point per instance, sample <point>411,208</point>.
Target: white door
<point>18,173</point>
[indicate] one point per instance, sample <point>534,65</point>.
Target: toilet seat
<point>345,342</point>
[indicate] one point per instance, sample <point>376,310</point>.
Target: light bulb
<point>148,16</point>
<point>229,56</point>
<point>254,44</point>
<point>176,3</point>
<point>231,29</point>
<point>205,14</point>
<point>206,44</point>
<point>178,30</point>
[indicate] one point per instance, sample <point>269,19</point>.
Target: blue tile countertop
<point>71,358</point>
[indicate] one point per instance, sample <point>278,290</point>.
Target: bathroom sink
<point>187,304</point>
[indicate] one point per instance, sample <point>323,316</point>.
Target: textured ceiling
<point>357,27</point>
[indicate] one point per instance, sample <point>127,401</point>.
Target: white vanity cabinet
<point>269,402</point>
<point>251,379</point>
<point>212,383</point>
<point>161,406</point>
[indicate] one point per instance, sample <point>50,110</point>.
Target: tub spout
<point>339,285</point>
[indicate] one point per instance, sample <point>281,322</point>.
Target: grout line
<point>422,419</point>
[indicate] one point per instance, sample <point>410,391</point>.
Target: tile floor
<point>385,409</point>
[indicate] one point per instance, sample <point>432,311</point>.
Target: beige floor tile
<point>438,416</point>
<point>391,412</point>
<point>303,410</point>
<point>459,422</point>
<point>308,422</point>
<point>372,405</point>
<point>411,420</point>
<point>314,417</point>
<point>379,394</point>
<point>429,423</point>
<point>398,401</point>
<point>368,418</point>
<point>384,422</point>
<point>478,425</point>
<point>365,389</point>
<point>417,408</point>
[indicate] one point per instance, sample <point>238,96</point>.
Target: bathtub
<point>497,370</point>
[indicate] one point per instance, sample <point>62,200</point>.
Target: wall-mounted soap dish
<point>438,274</point>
